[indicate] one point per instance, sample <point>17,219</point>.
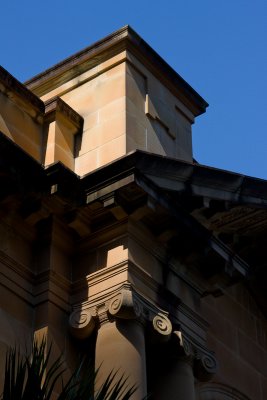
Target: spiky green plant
<point>33,377</point>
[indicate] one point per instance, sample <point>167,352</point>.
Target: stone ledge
<point>56,104</point>
<point>18,93</point>
<point>123,39</point>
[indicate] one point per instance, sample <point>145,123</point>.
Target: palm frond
<point>35,377</point>
<point>15,375</point>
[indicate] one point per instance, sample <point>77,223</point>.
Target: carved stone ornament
<point>129,304</point>
<point>162,325</point>
<point>124,305</point>
<point>203,361</point>
<point>81,323</point>
<point>185,347</point>
<point>205,365</point>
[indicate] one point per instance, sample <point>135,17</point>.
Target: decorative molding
<point>162,325</point>
<point>81,323</point>
<point>124,303</point>
<point>123,39</point>
<point>57,105</point>
<point>203,360</point>
<point>185,347</point>
<point>205,365</point>
<point>18,93</point>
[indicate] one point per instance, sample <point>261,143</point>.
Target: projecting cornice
<point>123,39</point>
<point>20,95</point>
<point>57,105</point>
<point>219,213</point>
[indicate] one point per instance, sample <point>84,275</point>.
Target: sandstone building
<point>115,241</point>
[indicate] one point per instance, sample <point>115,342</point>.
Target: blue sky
<point>218,47</point>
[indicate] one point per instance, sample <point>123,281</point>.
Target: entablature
<point>126,190</point>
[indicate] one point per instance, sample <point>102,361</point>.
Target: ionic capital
<point>205,365</point>
<point>81,323</point>
<point>162,326</point>
<point>182,346</point>
<point>203,360</point>
<point>124,303</point>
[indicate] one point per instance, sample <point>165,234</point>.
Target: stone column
<point>183,361</point>
<point>177,382</point>
<point>120,342</point>
<point>120,347</point>
<point>175,359</point>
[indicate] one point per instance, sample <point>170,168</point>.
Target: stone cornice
<point>84,59</point>
<point>123,39</point>
<point>19,93</point>
<point>180,176</point>
<point>57,105</point>
<point>81,286</point>
<point>53,288</point>
<point>34,288</point>
<point>169,179</point>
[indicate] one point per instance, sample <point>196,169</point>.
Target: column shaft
<point>176,382</point>
<point>120,346</point>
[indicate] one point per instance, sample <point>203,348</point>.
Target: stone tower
<point>115,241</point>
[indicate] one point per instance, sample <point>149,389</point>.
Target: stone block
<point>261,328</point>
<point>136,134</point>
<point>221,328</point>
<point>112,69</point>
<point>85,263</point>
<point>110,90</point>
<point>141,257</point>
<point>263,388</point>
<point>136,88</point>
<point>110,110</point>
<point>86,163</point>
<point>20,127</point>
<point>240,294</point>
<point>113,253</point>
<point>98,92</point>
<point>233,311</point>
<point>235,372</point>
<point>16,320</point>
<point>91,120</point>
<point>54,152</point>
<point>16,280</point>
<point>83,99</point>
<point>102,133</point>
<point>155,133</point>
<point>252,353</point>
<point>15,242</point>
<point>111,150</point>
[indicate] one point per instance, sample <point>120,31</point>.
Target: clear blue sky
<point>218,47</point>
